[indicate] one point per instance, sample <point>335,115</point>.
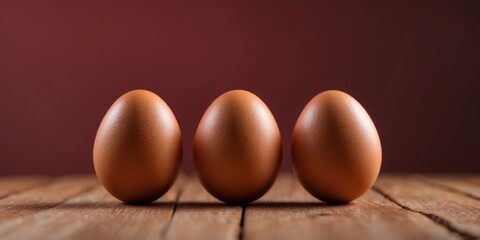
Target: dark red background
<point>414,66</point>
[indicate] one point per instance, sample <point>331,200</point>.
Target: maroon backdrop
<point>414,66</point>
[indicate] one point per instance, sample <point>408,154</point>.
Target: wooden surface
<point>397,207</point>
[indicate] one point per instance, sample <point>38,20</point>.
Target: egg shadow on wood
<point>297,206</point>
<point>264,205</point>
<point>210,207</point>
<point>170,204</point>
<point>273,205</point>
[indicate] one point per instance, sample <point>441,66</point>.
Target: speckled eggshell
<point>137,150</point>
<point>336,150</point>
<point>237,148</point>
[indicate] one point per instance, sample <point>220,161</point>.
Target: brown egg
<point>336,151</point>
<point>138,149</point>
<point>237,148</point>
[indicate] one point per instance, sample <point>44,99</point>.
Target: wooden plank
<point>287,211</point>
<point>471,178</point>
<point>455,211</point>
<point>474,179</point>
<point>201,216</point>
<point>455,183</point>
<point>96,215</point>
<point>43,197</point>
<point>15,184</point>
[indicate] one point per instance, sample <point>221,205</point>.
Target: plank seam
<point>242,222</point>
<point>435,218</point>
<point>175,206</point>
<point>448,188</point>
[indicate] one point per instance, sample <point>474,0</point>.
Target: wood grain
<point>13,207</point>
<point>15,184</point>
<point>459,184</point>
<point>289,212</point>
<point>200,216</point>
<point>96,215</point>
<point>398,207</point>
<point>459,213</point>
<point>474,179</point>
